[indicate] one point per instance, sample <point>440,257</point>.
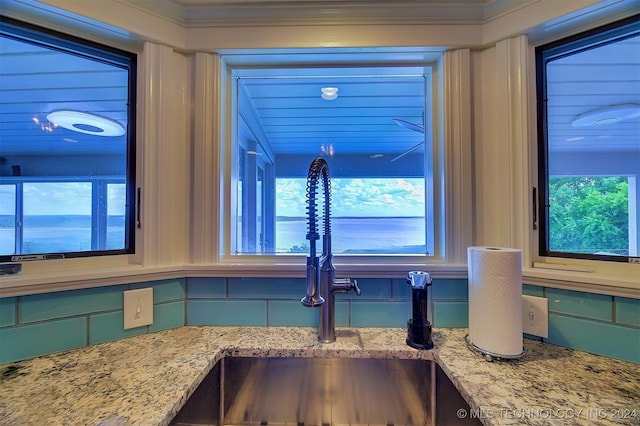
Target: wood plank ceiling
<point>290,109</point>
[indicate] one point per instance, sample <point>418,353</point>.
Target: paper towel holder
<point>490,356</point>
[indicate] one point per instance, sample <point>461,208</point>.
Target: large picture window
<point>589,148</point>
<point>373,127</point>
<point>67,163</point>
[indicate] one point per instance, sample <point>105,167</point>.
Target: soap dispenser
<point>418,325</point>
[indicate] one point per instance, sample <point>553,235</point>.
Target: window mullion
<point>98,215</point>
<point>19,218</point>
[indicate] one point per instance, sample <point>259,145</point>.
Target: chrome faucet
<point>322,285</point>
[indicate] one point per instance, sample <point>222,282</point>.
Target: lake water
<point>396,235</point>
<point>358,235</point>
<point>58,234</point>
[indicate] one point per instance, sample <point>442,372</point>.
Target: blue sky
<point>60,198</point>
<point>350,197</point>
<point>356,197</point>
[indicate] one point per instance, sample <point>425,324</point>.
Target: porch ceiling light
<point>329,93</point>
<point>83,122</point>
<point>607,115</point>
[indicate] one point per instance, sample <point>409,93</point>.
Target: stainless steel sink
<point>324,391</point>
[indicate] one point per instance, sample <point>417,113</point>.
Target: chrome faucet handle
<point>356,288</point>
<point>345,285</point>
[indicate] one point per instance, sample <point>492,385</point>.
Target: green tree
<point>589,214</point>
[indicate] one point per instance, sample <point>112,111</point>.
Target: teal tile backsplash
<point>447,313</point>
<point>36,339</point>
<point>595,336</point>
<point>45,323</point>
<point>378,314</point>
<point>372,288</point>
<point>7,311</point>
<point>266,288</point>
<point>249,313</point>
<point>206,288</point>
<point>168,315</point>
<point>449,289</point>
<point>627,311</point>
<point>532,290</point>
<point>596,306</point>
<point>164,291</point>
<point>39,307</point>
<point>108,326</point>
<point>291,313</point>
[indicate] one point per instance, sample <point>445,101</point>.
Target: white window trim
<point>211,68</point>
<point>604,277</point>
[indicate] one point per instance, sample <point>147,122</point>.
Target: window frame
<point>433,143</point>
<point>91,50</point>
<point>610,33</point>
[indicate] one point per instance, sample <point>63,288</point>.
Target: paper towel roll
<point>495,300</point>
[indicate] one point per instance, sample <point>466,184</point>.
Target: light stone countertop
<point>145,380</point>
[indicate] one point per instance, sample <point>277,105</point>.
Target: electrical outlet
<point>535,315</point>
<point>138,307</point>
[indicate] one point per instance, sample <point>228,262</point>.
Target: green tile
<point>32,340</point>
<point>206,288</point>
<point>61,304</point>
<point>7,311</point>
<point>532,290</point>
<point>627,310</point>
<point>109,326</point>
<point>227,312</point>
<point>267,288</point>
<point>342,313</point>
<point>450,314</point>
<point>378,314</point>
<point>450,289</point>
<point>167,315</point>
<point>588,305</point>
<point>400,290</point>
<point>292,313</point>
<point>372,288</point>
<point>164,291</point>
<point>614,341</point>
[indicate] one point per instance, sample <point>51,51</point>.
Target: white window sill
<point>51,276</point>
<point>624,283</point>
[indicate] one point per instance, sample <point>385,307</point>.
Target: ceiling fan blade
<point>409,151</point>
<point>409,125</point>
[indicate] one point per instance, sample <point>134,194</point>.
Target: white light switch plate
<point>535,316</point>
<point>138,307</point>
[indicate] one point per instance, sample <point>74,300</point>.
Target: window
<point>589,149</point>
<point>67,161</point>
<point>373,127</point>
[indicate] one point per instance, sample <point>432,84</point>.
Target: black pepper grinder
<point>418,326</point>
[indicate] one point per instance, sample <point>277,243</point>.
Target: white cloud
<point>357,197</point>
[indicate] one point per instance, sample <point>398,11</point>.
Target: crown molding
<point>226,13</point>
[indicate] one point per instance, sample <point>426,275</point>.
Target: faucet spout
<point>322,284</point>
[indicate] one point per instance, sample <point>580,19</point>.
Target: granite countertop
<point>145,380</point>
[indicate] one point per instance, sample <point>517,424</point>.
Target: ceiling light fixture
<point>86,123</point>
<point>607,115</point>
<point>329,93</point>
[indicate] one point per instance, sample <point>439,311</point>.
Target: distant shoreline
<point>298,218</point>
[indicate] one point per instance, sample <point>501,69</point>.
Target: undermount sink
<point>324,391</point>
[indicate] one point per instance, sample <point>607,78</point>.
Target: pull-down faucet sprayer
<point>321,281</point>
